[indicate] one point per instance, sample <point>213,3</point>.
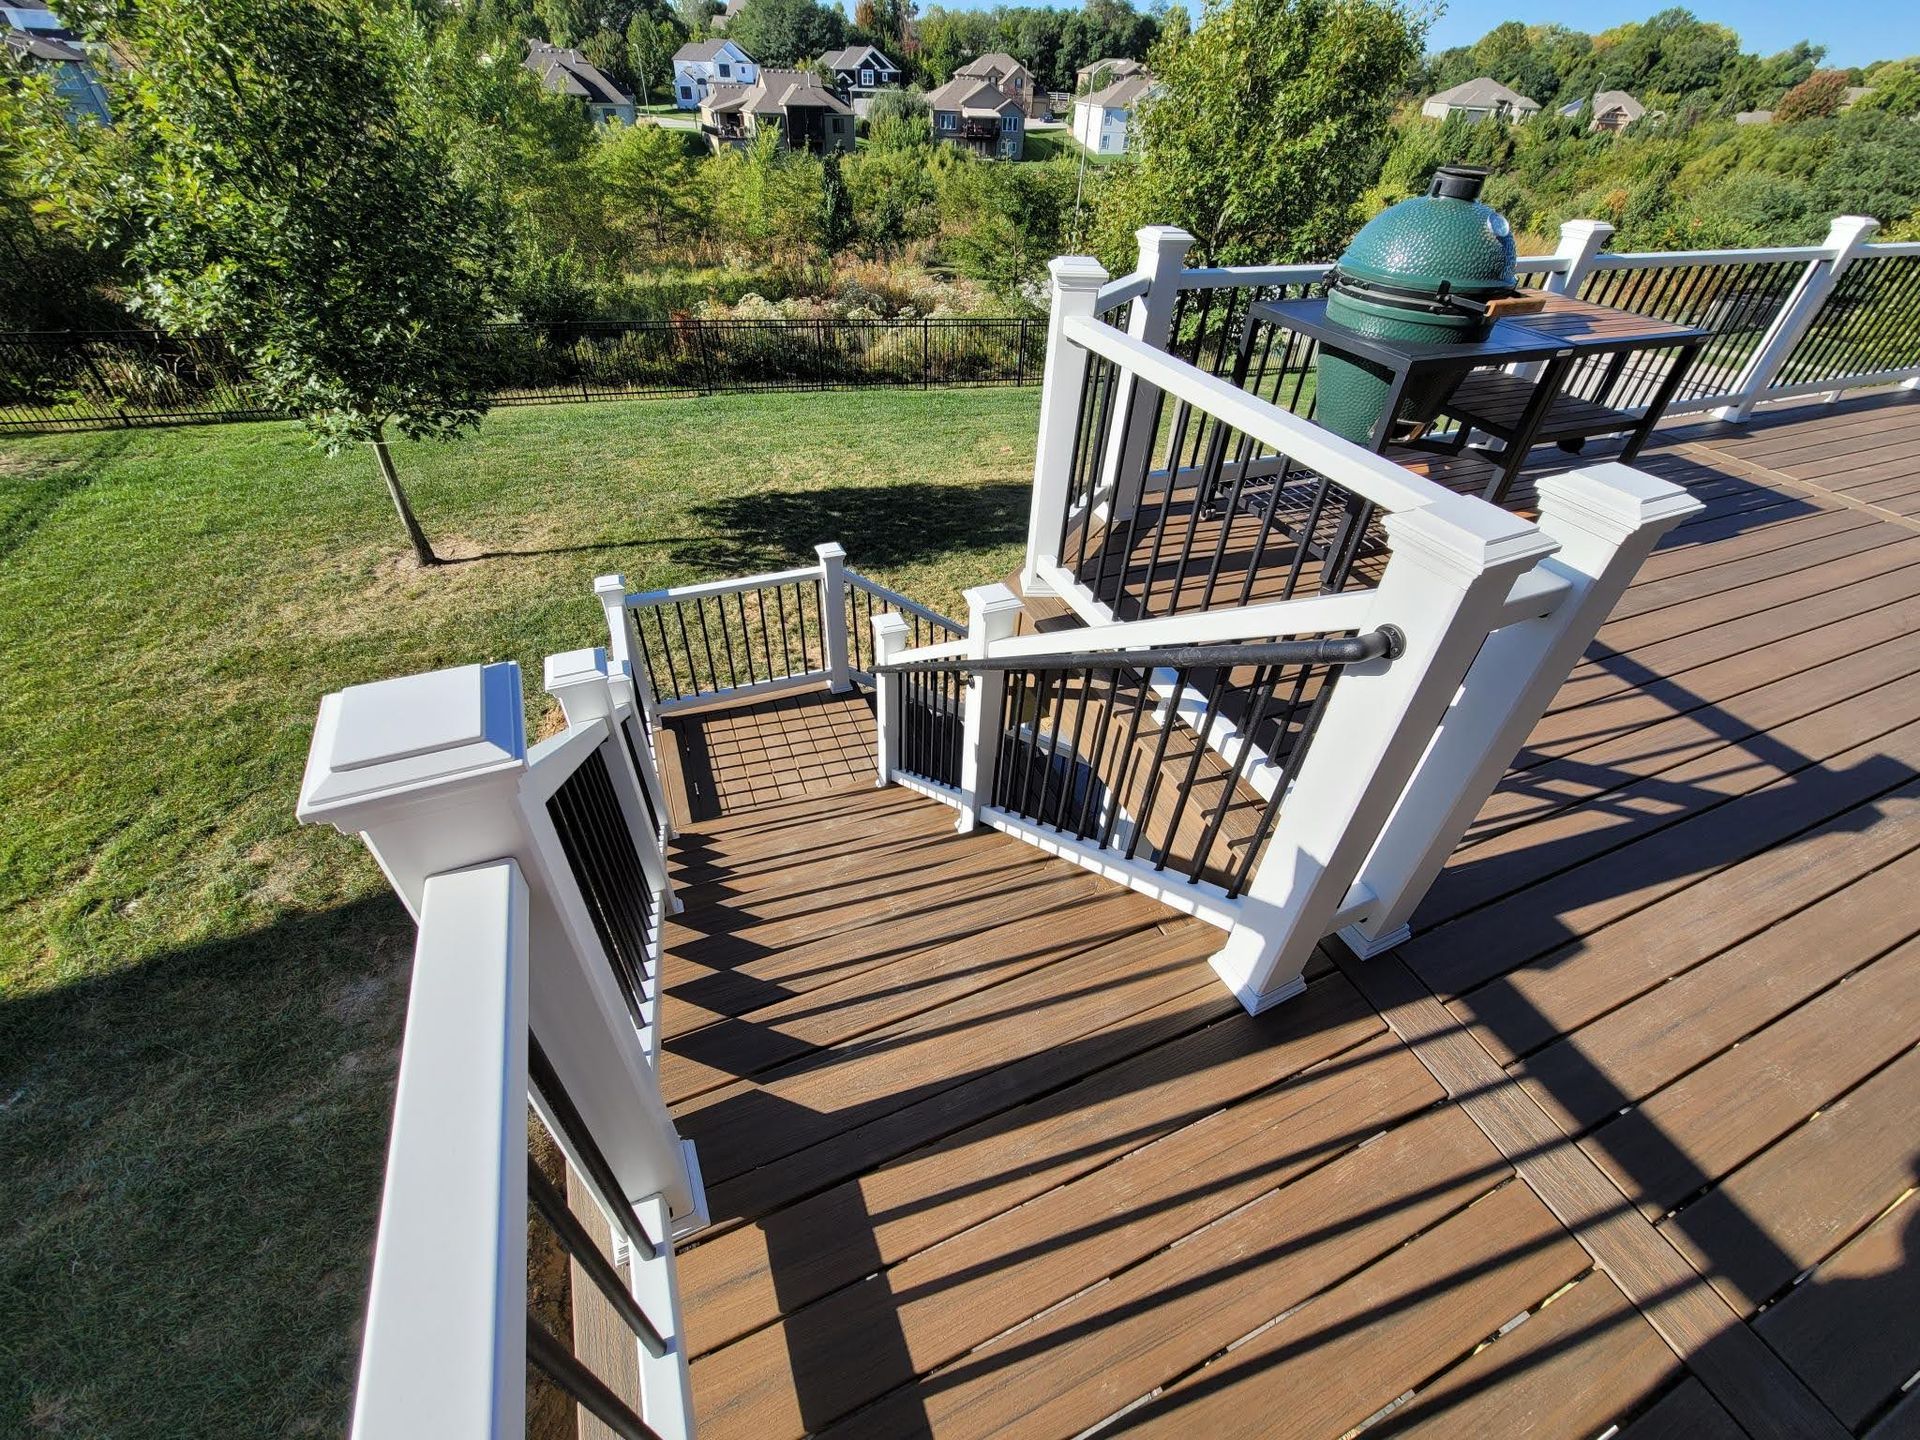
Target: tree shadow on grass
<point>880,526</point>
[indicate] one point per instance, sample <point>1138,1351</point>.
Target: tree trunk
<point>422,548</point>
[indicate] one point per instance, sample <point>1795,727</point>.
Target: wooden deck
<point>1624,1136</point>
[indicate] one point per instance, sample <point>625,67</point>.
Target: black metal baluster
<point>1152,790</point>
<point>1200,749</point>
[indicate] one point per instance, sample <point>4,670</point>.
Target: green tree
<point>836,204</point>
<point>651,42</point>
<point>299,199</point>
<point>1895,88</point>
<point>787,32</point>
<point>647,182</point>
<point>1273,124</point>
<point>1817,97</point>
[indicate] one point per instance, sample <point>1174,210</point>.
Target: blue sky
<point>1854,31</point>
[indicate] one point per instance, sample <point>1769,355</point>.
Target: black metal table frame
<point>1508,342</point>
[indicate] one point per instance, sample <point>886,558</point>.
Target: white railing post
<point>430,771</point>
<point>1076,280</point>
<point>889,639</point>
<point>833,614</point>
<point>580,681</point>
<point>993,613</point>
<point>1581,242</point>
<point>1451,566</point>
<point>623,642</point>
<point>1845,236</point>
<point>1163,256</point>
<point>445,1345</point>
<point>1606,521</point>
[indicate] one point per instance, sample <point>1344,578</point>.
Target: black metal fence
<point>85,380</point>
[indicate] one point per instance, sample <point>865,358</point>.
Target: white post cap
<point>1077,272</point>
<point>412,737</point>
<point>1614,500</point>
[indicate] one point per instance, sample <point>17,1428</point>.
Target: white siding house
<point>1102,120</point>
<point>698,67</point>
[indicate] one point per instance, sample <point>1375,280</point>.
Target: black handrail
<point>1386,643</point>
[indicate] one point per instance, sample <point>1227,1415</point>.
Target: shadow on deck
<point>1622,1137</point>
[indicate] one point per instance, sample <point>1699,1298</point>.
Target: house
<point>807,114</point>
<point>699,65</point>
<point>568,72</point>
<point>981,116</point>
<point>1005,74</point>
<point>1102,120</point>
<point>1612,110</point>
<point>724,15</point>
<point>36,40</point>
<point>1481,99</point>
<point>1102,73</point>
<point>861,70</point>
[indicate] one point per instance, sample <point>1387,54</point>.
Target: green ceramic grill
<point>1423,270</point>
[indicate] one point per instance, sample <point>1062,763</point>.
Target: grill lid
<point>1443,250</point>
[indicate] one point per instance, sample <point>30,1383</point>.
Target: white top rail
<point>1668,259</point>
<point>722,587</point>
<point>1895,247</point>
<point>1232,277</point>
<point>445,1348</point>
<point>1120,291</point>
<point>1371,476</point>
<point>901,602</point>
<point>1311,617</point>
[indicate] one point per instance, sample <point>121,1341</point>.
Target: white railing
<point>1786,321</point>
<point>538,880</point>
<point>1490,613</point>
<point>692,647</point>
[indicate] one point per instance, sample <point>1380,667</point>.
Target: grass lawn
<point>200,1001</point>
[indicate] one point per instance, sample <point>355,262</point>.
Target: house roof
<point>1122,94</point>
<point>773,92</point>
<point>1483,93</point>
<point>990,66</point>
<point>1118,68</point>
<point>971,95</point>
<point>704,49</point>
<point>568,72</point>
<point>1607,101</point>
<point>44,47</point>
<point>851,58</point>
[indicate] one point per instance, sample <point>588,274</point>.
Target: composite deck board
<point>1107,1348</point>
<point>1817,1187</point>
<point>1007,1171</point>
<point>1332,1362</point>
<point>1686,1412</point>
<point>1608,968</point>
<point>841,1235</point>
<point>1699,1129</point>
<point>827,1359</point>
<point>1574,1367</point>
<point>1691,732</point>
<point>1848,1328</point>
<point>1647,1044</point>
<point>1617,868</point>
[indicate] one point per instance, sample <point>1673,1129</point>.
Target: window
<point>686,92</point>
<point>946,119</point>
<point>866,79</point>
<point>724,72</point>
<point>1010,122</point>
